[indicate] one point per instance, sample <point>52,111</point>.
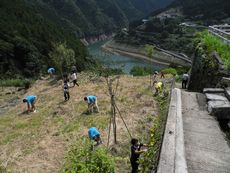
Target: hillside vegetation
<point>210,11</point>
<point>211,43</point>
<point>174,27</point>
<point>26,38</point>
<point>29,28</point>
<point>39,142</point>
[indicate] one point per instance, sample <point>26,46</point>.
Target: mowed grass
<point>38,142</point>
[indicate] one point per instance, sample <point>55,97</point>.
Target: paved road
<point>206,149</point>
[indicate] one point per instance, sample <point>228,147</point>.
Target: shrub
<point>82,159</point>
<point>16,83</point>
<point>62,56</point>
<point>172,71</point>
<point>141,71</point>
<point>211,43</point>
<point>2,169</point>
<point>149,160</point>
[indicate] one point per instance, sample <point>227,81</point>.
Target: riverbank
<point>159,57</point>
<point>116,50</point>
<point>118,60</point>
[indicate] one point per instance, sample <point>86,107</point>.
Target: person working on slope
<point>30,100</point>
<point>51,71</point>
<point>74,79</point>
<point>94,135</point>
<point>66,91</point>
<point>158,87</point>
<point>92,101</point>
<point>65,77</point>
<point>136,150</point>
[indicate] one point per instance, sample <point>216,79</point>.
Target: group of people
<point>93,133</point>
<point>66,81</point>
<point>137,148</point>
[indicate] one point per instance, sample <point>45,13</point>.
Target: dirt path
<point>206,149</point>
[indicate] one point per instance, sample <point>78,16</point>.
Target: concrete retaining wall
<point>172,156</point>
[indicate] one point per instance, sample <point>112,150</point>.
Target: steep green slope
<point>29,27</point>
<point>94,17</point>
<point>26,39</point>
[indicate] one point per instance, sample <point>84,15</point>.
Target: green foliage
<point>172,71</point>
<point>82,159</point>
<point>165,33</point>
<point>16,82</point>
<point>26,37</point>
<point>150,158</point>
<point>209,43</point>
<point>2,169</point>
<point>209,11</point>
<point>62,57</point>
<point>106,71</point>
<point>141,71</point>
<point>149,50</point>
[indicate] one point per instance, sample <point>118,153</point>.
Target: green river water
<point>119,61</point>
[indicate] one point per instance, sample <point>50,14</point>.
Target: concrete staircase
<point>218,102</point>
<point>193,141</point>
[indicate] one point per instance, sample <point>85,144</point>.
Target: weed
<point>3,169</point>
<point>72,126</point>
<point>9,138</point>
<point>16,82</point>
<point>150,158</point>
<point>172,71</point>
<point>211,43</point>
<point>81,159</point>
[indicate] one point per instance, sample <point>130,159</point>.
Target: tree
<point>149,50</point>
<point>62,57</point>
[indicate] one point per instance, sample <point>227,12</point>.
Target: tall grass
<point>16,83</point>
<point>212,43</point>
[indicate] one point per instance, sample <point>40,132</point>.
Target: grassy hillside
<point>39,142</point>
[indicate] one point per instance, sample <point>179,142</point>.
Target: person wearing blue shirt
<point>95,135</point>
<point>92,101</point>
<point>30,100</point>
<point>51,71</point>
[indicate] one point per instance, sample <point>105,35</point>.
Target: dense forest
<point>30,28</point>
<point>26,38</point>
<point>93,17</point>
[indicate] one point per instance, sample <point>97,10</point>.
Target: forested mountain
<point>92,17</point>
<point>167,28</point>
<point>26,39</point>
<point>29,27</point>
<point>204,9</point>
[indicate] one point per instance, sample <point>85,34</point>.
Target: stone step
<point>227,93</point>
<point>221,109</point>
<point>216,97</point>
<point>213,90</point>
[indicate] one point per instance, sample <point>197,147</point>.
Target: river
<point>118,61</point>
